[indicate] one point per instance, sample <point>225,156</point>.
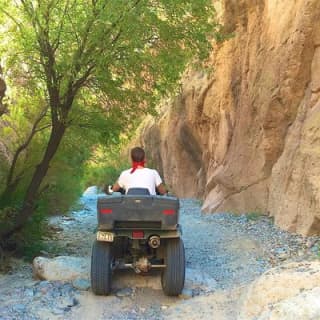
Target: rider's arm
<point>119,186</point>
<point>159,184</point>
<point>116,187</point>
<point>162,189</point>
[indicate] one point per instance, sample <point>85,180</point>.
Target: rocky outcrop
<point>246,138</point>
<point>290,291</point>
<point>303,306</point>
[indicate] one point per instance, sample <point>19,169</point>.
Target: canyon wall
<point>246,138</point>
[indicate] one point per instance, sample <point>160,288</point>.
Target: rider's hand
<point>108,189</point>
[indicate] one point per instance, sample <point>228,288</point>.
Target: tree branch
<point>17,23</point>
<point>47,58</point>
<point>56,42</point>
<point>22,147</point>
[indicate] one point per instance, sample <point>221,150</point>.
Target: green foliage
<point>199,202</point>
<point>29,240</point>
<point>7,216</point>
<point>104,167</point>
<point>16,128</point>
<point>131,51</point>
<point>4,164</point>
<point>254,215</point>
<point>318,250</point>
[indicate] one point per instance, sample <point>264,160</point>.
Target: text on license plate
<point>105,236</point>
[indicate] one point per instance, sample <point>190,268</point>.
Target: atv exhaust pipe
<point>154,242</point>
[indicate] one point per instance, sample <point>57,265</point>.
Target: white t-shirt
<point>140,178</point>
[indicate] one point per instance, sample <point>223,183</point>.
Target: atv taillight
<point>105,211</point>
<point>137,234</point>
<point>169,212</point>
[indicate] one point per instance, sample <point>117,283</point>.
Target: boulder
<point>304,306</point>
<point>61,268</point>
<point>284,290</point>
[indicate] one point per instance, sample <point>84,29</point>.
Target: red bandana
<point>135,165</point>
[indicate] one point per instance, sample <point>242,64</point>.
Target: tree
<point>125,54</point>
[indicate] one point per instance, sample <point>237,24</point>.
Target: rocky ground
<point>225,254</point>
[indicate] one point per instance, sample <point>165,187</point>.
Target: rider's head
<point>137,154</point>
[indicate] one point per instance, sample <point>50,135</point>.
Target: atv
<point>140,232</point>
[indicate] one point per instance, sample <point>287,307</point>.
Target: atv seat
<point>138,191</point>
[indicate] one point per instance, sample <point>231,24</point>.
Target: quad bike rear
<point>140,232</point>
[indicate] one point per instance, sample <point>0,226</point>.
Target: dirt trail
<point>140,297</point>
<point>224,254</point>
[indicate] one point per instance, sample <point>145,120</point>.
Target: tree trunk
<point>41,170</point>
<point>3,88</point>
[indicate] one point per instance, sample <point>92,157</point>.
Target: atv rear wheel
<point>172,278</point>
<point>101,268</point>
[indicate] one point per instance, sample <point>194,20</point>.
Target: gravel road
<point>224,253</point>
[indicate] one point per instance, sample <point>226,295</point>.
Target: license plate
<point>105,236</point>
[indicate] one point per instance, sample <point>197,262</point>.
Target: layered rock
<point>247,137</point>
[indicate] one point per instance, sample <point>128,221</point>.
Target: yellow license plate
<point>105,236</point>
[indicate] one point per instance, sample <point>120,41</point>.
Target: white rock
<point>61,268</point>
<point>304,306</point>
<point>278,286</point>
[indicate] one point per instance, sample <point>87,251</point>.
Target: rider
<point>139,176</point>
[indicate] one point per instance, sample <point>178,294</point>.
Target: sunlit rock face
<point>247,137</point>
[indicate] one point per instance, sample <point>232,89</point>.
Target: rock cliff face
<point>247,137</point>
